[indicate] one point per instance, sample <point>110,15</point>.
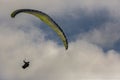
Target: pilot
<point>26,64</point>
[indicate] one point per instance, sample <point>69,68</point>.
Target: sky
<point>91,27</point>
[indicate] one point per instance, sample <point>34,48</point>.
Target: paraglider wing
<point>46,19</point>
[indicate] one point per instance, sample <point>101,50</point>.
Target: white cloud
<point>20,39</point>
<point>105,36</point>
<point>83,60</point>
<point>61,6</point>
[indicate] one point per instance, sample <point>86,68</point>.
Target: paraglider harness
<point>26,64</point>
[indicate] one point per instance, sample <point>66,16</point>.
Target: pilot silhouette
<point>26,64</point>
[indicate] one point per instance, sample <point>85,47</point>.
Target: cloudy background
<point>91,26</point>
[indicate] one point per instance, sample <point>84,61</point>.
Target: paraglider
<point>26,64</point>
<point>46,19</point>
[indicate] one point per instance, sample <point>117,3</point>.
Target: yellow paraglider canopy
<point>46,19</point>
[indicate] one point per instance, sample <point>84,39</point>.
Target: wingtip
<point>12,15</point>
<point>66,48</point>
